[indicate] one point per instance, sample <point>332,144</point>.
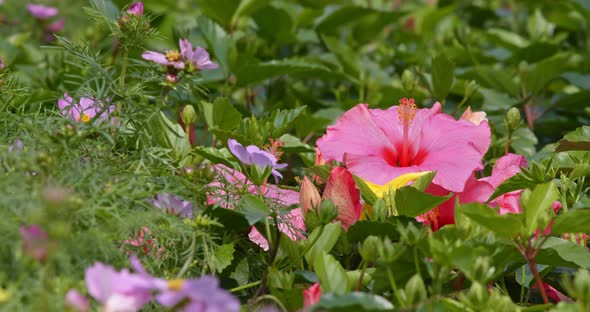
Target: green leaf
<point>294,145</point>
<point>577,140</point>
<point>170,135</point>
<point>346,56</point>
<point>557,251</point>
<point>242,272</point>
<point>536,208</point>
<point>525,179</point>
<point>442,76</point>
<point>282,120</point>
<point>499,79</point>
<point>322,171</point>
<point>507,225</point>
<point>360,230</point>
<point>577,79</point>
<point>221,11</point>
<point>254,208</point>
<point>257,72</point>
<point>368,196</point>
<point>232,220</point>
<point>275,25</point>
<point>424,181</point>
<point>224,255</point>
<point>248,7</point>
<point>524,141</point>
<point>322,240</point>
<point>216,156</point>
<point>353,302</point>
<point>572,221</point>
<point>331,274</point>
<point>221,114</point>
<point>412,203</point>
<point>545,71</point>
<point>217,40</point>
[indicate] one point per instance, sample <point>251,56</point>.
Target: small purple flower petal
<point>201,61</point>
<point>239,151</point>
<point>56,26</point>
<point>77,301</point>
<point>203,294</point>
<point>173,205</point>
<point>155,57</point>
<point>1,64</point>
<point>186,49</point>
<point>136,9</point>
<point>34,242</point>
<point>40,11</point>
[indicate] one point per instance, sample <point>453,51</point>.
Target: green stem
<point>394,287</point>
<point>123,69</point>
<point>274,299</point>
<point>417,262</point>
<point>246,286</point>
<point>190,258</point>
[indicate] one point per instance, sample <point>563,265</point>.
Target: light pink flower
<point>35,242</point>
<point>56,26</point>
<point>225,192</point>
<point>197,58</point>
<point>77,301</point>
<point>40,11</point>
<point>380,145</point>
<point>84,110</point>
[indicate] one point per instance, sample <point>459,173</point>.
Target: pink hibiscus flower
<point>225,192</point>
<point>380,145</point>
<point>312,295</point>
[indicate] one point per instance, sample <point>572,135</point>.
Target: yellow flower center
<point>175,284</point>
<point>84,118</point>
<point>173,56</point>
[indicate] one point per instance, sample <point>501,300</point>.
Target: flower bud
<point>328,212</point>
<point>512,119</point>
<point>470,88</point>
<point>415,290</point>
<point>408,80</point>
<point>379,210</point>
<point>309,197</point>
<point>171,79</point>
<point>369,248</point>
<point>188,114</point>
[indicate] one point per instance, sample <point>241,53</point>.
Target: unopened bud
<point>171,78</point>
<point>415,290</point>
<point>470,88</point>
<point>188,114</point>
<point>512,119</point>
<point>328,212</point>
<point>408,80</point>
<point>369,248</point>
<point>309,197</point>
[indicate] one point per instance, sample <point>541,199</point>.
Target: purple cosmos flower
<point>198,59</point>
<point>83,111</point>
<point>136,9</point>
<point>173,205</point>
<point>77,301</point>
<point>17,146</point>
<point>34,241</point>
<point>200,295</point>
<point>1,64</point>
<point>172,58</point>
<point>118,291</point>
<point>40,11</point>
<point>253,155</point>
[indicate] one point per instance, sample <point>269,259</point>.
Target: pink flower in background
<point>504,168</point>
<point>172,58</point>
<point>197,295</point>
<point>173,205</point>
<point>35,242</point>
<point>84,110</point>
<point>118,290</point>
<point>229,184</point>
<point>136,9</point>
<point>380,145</point>
<point>198,58</point>
<point>2,64</point>
<point>40,11</point>
<point>56,26</point>
<point>143,240</point>
<point>77,301</point>
<point>312,295</point>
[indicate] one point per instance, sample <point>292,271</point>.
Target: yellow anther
<point>175,284</point>
<point>173,56</point>
<point>84,118</point>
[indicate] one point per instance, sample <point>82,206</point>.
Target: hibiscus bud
<point>512,119</point>
<point>328,212</point>
<point>309,197</point>
<point>415,290</point>
<point>369,248</point>
<point>408,80</point>
<point>379,210</point>
<point>312,295</point>
<point>188,114</point>
<point>470,88</point>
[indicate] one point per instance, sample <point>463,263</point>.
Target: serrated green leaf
<point>360,230</point>
<point>508,225</point>
<point>572,221</point>
<point>254,208</point>
<point>224,255</point>
<point>412,203</point>
<point>545,71</point>
<point>216,156</point>
<point>353,302</point>
<point>442,76</point>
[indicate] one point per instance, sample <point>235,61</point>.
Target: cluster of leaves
<point>288,69</point>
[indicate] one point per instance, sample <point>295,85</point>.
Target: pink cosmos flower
<point>312,295</point>
<point>198,59</point>
<point>34,242</point>
<point>197,295</point>
<point>40,11</point>
<point>77,301</point>
<point>173,205</point>
<point>85,110</point>
<point>118,290</point>
<point>380,145</point>
<point>1,64</point>
<point>225,192</point>
<point>136,9</point>
<point>56,26</point>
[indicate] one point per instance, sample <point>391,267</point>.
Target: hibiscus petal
<point>355,131</point>
<point>342,190</point>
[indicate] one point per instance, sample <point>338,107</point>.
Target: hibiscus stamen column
<point>406,111</point>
